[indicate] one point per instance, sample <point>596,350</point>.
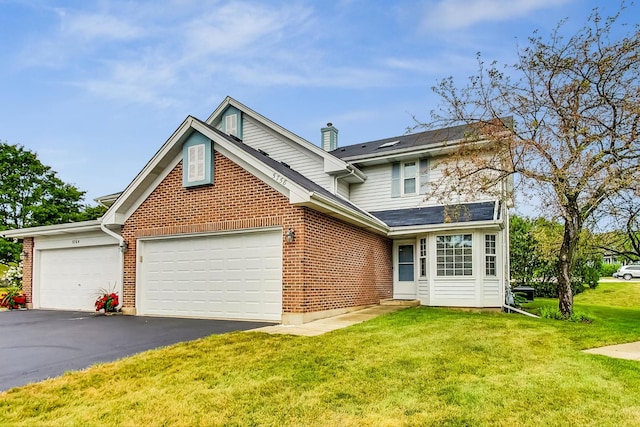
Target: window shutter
<point>196,160</point>
<point>424,175</point>
<point>395,180</point>
<point>231,124</point>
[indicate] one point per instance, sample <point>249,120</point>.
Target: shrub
<point>545,289</point>
<point>607,270</point>
<point>12,278</point>
<point>547,312</point>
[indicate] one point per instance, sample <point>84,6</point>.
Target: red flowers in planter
<point>13,299</point>
<point>107,302</point>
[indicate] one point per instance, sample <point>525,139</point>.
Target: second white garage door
<point>232,276</point>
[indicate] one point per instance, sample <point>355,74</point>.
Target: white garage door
<point>70,279</point>
<point>232,276</point>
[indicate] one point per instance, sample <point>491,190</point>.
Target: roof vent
<point>389,144</point>
<point>263,152</point>
<point>285,164</point>
<point>329,137</point>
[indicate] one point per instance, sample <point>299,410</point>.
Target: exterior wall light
<point>290,235</point>
<point>124,246</point>
<point>24,255</point>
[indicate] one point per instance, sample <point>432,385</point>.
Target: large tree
<point>31,194</point>
<point>572,134</point>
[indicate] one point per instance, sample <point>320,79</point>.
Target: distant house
<point>236,217</point>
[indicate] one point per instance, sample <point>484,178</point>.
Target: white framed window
<point>423,257</point>
<point>490,254</point>
<point>409,178</point>
<point>454,255</point>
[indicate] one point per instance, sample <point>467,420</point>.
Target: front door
<point>404,283</point>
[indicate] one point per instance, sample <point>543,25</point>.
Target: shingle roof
<point>428,139</point>
<point>432,215</point>
<point>284,170</point>
<point>416,140</point>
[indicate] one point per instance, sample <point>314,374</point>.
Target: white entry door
<point>404,277</point>
<point>231,276</point>
<point>72,278</point>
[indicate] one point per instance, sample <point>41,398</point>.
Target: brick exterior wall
<point>331,264</point>
<point>27,270</point>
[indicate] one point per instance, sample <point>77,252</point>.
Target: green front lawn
<point>419,366</point>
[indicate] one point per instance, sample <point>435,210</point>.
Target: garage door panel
<point>231,276</point>
<point>71,278</point>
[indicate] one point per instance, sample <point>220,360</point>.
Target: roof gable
<point>332,164</point>
<point>299,189</point>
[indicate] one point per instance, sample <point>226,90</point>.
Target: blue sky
<point>96,87</point>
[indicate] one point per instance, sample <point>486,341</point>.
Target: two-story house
<point>236,217</point>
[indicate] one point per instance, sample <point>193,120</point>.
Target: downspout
<point>123,248</point>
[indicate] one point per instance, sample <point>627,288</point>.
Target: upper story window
<point>409,175</point>
<point>409,178</point>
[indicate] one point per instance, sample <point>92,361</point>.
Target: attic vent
<point>389,144</point>
<point>263,152</point>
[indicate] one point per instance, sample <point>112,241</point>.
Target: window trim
<point>422,257</point>
<point>398,178</point>
<point>491,255</point>
<point>454,259</point>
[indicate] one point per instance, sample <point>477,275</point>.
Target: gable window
<point>409,178</point>
<point>197,161</point>
<point>231,122</point>
<point>490,254</point>
<point>454,255</point>
<point>423,257</point>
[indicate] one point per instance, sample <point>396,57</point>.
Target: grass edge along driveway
<point>420,366</point>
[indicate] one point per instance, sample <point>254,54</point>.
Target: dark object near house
<point>525,291</point>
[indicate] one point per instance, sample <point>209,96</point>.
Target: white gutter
<point>123,248</point>
<point>398,231</point>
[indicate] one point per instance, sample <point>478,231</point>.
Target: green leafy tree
<point>522,250</point>
<point>572,136</point>
<point>31,194</point>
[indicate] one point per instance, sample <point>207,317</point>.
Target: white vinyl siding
<point>375,193</point>
<point>343,188</point>
<point>303,161</point>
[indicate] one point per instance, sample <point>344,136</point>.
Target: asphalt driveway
<point>40,344</point>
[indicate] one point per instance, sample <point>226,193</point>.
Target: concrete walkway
<point>630,351</point>
<point>321,326</point>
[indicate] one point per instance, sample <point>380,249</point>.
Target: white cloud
<point>458,14</point>
<point>93,26</point>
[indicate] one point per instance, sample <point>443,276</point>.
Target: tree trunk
<point>565,261</point>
